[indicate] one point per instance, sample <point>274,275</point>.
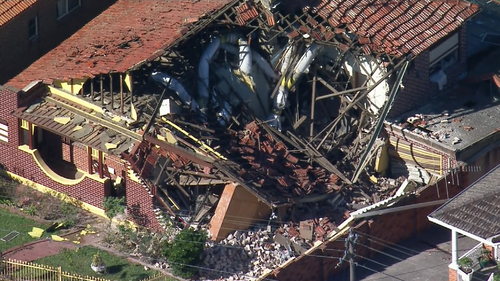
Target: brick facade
<point>139,202</point>
<point>17,51</point>
<point>418,89</point>
<point>452,274</point>
<point>391,227</point>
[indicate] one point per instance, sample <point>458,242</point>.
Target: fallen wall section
<point>238,209</point>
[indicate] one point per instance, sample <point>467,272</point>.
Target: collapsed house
<point>229,115</point>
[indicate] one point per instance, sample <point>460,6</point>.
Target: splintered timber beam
<point>171,178</point>
<point>121,93</point>
<point>152,119</point>
<point>354,102</point>
<point>102,89</point>
<point>306,149</point>
<point>380,122</point>
<point>320,159</point>
<point>229,173</point>
<point>313,103</point>
<point>191,156</point>
<point>92,88</point>
<point>111,91</point>
<point>337,93</point>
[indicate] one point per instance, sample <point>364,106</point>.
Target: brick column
<point>452,273</point>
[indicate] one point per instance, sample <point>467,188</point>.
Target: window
<point>444,63</point>
<point>64,7</point>
<point>4,131</point>
<point>33,28</point>
<point>444,55</point>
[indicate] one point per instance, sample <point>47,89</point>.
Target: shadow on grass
<point>114,269</point>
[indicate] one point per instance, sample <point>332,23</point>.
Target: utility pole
<point>349,254</point>
<point>350,249</point>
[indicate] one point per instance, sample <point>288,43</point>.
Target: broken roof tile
<point>124,35</point>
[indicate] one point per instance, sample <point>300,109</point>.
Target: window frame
<point>34,36</point>
<point>66,8</point>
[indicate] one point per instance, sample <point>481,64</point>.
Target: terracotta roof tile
<point>398,25</point>
<point>124,35</point>
<point>9,9</point>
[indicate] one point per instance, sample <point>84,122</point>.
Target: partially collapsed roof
<point>476,209</point>
<point>395,27</point>
<point>126,34</point>
<point>10,9</point>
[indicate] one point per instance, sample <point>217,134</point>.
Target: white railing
<point>474,253</point>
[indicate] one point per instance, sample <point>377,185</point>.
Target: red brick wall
<point>17,52</point>
<point>66,151</point>
<point>391,227</point>
<point>140,206</point>
<point>452,274</point>
<point>80,156</point>
<point>418,89</point>
<point>139,203</point>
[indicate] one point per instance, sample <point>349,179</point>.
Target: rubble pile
<point>418,124</point>
<point>275,168</point>
<point>243,255</point>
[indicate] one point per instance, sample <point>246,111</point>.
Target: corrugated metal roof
<point>9,9</point>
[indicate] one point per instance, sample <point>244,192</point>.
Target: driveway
<point>420,258</point>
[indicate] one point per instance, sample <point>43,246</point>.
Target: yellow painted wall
<point>382,160</point>
<point>400,151</point>
<point>65,85</point>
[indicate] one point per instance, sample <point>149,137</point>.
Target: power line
<point>390,243</point>
<point>376,271</point>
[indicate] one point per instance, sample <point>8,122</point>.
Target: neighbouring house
<point>483,30</point>
<point>474,213</point>
<point>229,115</point>
<point>31,28</point>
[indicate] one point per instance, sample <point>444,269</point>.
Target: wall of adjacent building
<point>17,51</point>
<point>418,89</point>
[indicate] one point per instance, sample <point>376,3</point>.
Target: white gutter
<point>445,225</point>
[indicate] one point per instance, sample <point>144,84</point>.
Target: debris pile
<point>246,254</point>
<point>275,169</point>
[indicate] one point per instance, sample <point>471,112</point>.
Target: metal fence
<point>14,270</point>
<point>159,277</point>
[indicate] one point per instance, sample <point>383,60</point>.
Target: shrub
<point>186,252</point>
<point>7,188</point>
<point>465,264</point>
<point>97,260</point>
<point>114,206</point>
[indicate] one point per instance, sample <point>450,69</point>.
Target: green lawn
<point>9,222</point>
<point>78,261</point>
